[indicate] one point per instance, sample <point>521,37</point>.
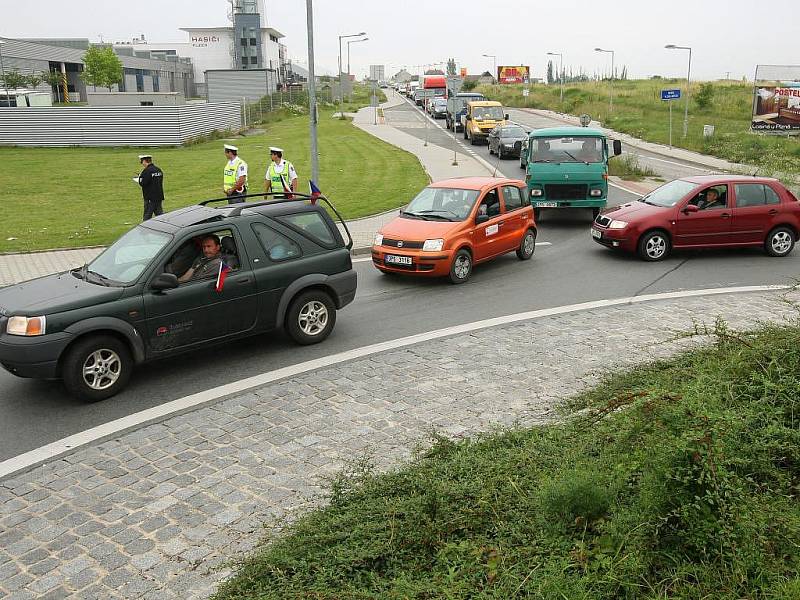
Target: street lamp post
<point>560,71</point>
<point>494,63</point>
<point>688,75</point>
<point>348,51</point>
<point>312,94</point>
<point>341,83</point>
<point>610,81</point>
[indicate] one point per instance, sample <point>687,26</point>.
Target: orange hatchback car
<point>454,224</point>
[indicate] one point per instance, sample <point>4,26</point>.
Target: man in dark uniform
<point>152,181</point>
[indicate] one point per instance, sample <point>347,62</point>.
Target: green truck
<point>567,167</point>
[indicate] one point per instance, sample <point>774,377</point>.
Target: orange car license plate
<point>397,260</point>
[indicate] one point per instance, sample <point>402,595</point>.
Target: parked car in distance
<point>438,108</point>
<point>454,224</point>
<point>506,140</point>
<point>457,109</point>
<point>707,211</point>
<point>286,266</point>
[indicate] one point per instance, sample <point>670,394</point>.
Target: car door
<point>513,225</point>
<point>755,211</point>
<point>707,226</point>
<point>488,238</point>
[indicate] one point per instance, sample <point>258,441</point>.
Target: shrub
<point>705,96</point>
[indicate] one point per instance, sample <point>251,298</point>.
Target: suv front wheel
<point>311,317</point>
<point>97,368</point>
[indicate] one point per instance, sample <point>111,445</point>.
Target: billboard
<point>776,108</point>
<point>518,74</point>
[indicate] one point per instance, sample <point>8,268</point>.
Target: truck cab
<point>567,167</point>
<point>481,118</point>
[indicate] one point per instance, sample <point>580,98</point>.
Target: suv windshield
<point>495,113</point>
<point>567,149</point>
<point>512,132</point>
<point>670,193</point>
<point>126,258</point>
<point>441,204</point>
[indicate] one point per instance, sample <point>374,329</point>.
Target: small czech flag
<point>315,192</point>
<point>223,273</point>
<point>287,191</point>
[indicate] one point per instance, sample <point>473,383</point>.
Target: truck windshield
<point>670,193</point>
<point>567,149</point>
<point>493,113</point>
<point>442,203</point>
<point>126,258</point>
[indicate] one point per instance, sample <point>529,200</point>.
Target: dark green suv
<point>180,281</point>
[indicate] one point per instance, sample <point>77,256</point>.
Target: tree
<point>451,68</point>
<point>550,77</point>
<point>469,85</point>
<point>101,67</point>
<point>705,96</point>
<point>13,79</point>
<point>54,79</point>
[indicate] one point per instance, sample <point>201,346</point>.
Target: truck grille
<point>566,191</point>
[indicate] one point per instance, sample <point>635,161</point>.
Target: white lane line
<point>671,162</point>
<point>624,189</point>
<point>194,401</point>
<point>358,260</point>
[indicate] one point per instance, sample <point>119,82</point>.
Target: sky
<point>725,36</point>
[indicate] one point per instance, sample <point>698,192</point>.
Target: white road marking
<point>194,401</point>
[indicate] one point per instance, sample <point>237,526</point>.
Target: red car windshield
<point>670,193</point>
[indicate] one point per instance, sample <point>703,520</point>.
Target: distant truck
<point>482,116</point>
<point>457,109</point>
<point>567,167</point>
<point>24,97</point>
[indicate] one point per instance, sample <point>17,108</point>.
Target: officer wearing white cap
<point>280,173</point>
<point>234,176</point>
<point>151,179</point>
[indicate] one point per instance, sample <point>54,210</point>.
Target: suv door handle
<point>243,280</point>
<point>773,212</point>
<point>725,215</point>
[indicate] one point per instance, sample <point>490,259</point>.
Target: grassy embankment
<point>73,197</point>
<point>639,111</point>
<point>680,481</point>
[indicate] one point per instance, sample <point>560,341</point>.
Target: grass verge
<point>628,167</point>
<point>639,111</point>
<point>679,480</point>
<point>74,197</point>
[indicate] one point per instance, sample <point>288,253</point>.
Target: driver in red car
<point>712,200</point>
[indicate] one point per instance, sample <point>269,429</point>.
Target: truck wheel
<point>472,140</point>
<point>779,242</point>
<point>490,148</point>
<point>500,152</point>
<point>96,368</point>
<point>653,246</point>
<point>595,213</point>
<point>461,268</point>
<point>311,317</point>
<point>527,245</point>
<point>537,214</point>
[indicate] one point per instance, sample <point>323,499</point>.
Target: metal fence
<point>255,112</point>
<point>115,125</point>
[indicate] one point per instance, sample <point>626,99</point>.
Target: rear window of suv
<point>312,225</point>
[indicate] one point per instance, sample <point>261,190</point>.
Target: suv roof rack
<point>234,210</point>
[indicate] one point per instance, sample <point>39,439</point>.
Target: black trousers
<point>152,207</point>
<point>236,197</point>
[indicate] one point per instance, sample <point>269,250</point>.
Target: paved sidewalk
<point>161,511</point>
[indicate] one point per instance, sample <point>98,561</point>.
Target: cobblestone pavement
<point>160,512</point>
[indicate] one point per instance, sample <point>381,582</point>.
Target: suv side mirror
<point>690,208</point>
<point>506,117</point>
<point>481,219</point>
<point>164,281</point>
<point>617,147</point>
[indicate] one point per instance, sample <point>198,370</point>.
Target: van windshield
<point>446,204</point>
<point>567,149</point>
<point>490,113</point>
<point>670,193</point>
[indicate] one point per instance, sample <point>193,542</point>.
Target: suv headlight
<point>596,193</point>
<point>433,245</point>
<point>378,239</point>
<point>536,192</point>
<point>27,326</point>
<point>617,224</point>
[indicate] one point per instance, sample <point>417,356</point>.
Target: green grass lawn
<point>680,480</point>
<point>73,197</point>
<point>639,111</point>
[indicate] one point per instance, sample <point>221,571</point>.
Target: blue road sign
<point>670,94</point>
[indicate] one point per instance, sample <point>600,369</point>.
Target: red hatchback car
<point>708,211</point>
<point>456,223</point>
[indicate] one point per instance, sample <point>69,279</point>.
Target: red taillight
<point>605,176</point>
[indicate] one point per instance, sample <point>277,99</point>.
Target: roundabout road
<point>572,269</point>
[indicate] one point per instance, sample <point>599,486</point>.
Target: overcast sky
<point>730,36</point>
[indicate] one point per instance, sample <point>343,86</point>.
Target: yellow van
<point>482,116</point>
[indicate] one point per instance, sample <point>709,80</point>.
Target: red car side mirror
<point>690,208</point>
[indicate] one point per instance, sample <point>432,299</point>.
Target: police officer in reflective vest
<point>280,175</point>
<point>151,179</point>
<point>234,176</point>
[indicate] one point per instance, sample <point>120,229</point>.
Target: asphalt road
<point>572,269</point>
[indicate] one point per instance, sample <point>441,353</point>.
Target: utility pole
<point>688,76</point>
<point>312,94</point>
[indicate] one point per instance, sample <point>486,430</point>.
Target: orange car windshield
<point>441,204</point>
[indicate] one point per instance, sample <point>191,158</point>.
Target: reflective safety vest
<point>229,173</point>
<point>275,183</point>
